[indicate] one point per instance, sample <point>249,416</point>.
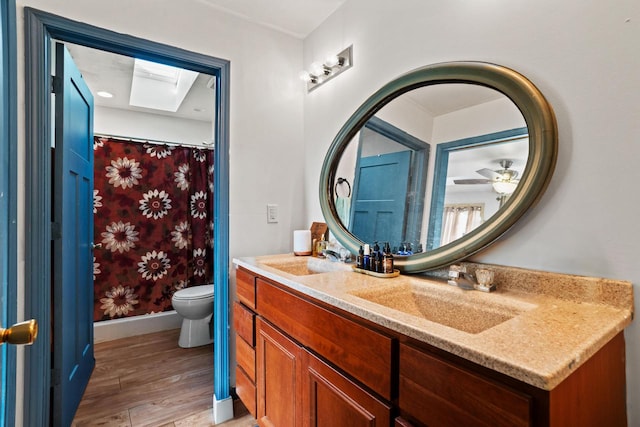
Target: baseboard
<point>222,409</point>
<point>109,330</point>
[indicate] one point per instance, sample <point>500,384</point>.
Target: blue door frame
<point>40,29</point>
<point>440,175</point>
<point>8,261</point>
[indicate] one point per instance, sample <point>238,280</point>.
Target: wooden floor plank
<point>149,381</point>
<point>120,419</point>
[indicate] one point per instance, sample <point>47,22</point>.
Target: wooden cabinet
<point>302,363</point>
<point>359,351</point>
<point>401,422</point>
<point>437,393</point>
<point>279,378</point>
<point>246,288</point>
<point>244,325</point>
<point>296,388</point>
<point>332,399</point>
<point>285,385</point>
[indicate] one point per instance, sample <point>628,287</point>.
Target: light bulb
<point>331,61</point>
<point>304,76</point>
<point>316,69</point>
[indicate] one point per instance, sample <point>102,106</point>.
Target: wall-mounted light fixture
<point>320,73</point>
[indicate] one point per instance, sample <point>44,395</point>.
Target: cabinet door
<point>438,393</point>
<point>331,399</point>
<point>279,370</point>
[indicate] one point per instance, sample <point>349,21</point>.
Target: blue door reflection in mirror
<point>380,197</point>
<point>388,167</point>
<point>452,181</point>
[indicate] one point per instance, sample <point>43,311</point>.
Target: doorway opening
<point>153,151</point>
<point>41,28</point>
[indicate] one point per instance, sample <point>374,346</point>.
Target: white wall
<point>266,134</point>
<point>137,124</point>
<point>584,58</point>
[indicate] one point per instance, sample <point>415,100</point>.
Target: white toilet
<point>195,306</point>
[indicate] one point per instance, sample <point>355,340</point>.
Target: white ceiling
<point>294,17</point>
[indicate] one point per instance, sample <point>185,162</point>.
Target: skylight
<point>158,86</point>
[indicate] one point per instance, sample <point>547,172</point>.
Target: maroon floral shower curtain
<point>153,223</point>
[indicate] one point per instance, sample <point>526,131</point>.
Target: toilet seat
<point>194,293</point>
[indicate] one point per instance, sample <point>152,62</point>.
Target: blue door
<point>73,358</point>
<point>380,198</point>
<point>7,206</point>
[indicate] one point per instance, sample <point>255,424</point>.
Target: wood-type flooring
<point>148,380</point>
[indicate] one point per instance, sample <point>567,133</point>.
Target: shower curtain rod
<point>207,145</point>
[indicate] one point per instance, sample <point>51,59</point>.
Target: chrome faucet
<point>331,255</point>
<point>459,277</point>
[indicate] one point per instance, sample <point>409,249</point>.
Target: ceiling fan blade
<point>472,181</point>
<point>490,174</point>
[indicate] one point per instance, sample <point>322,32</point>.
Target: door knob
<point>20,333</point>
<point>96,245</point>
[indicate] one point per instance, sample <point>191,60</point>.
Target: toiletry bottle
<point>321,247</point>
<point>377,266</point>
<point>366,261</point>
<point>314,248</point>
<point>387,260</point>
<point>377,260</point>
<point>360,258</point>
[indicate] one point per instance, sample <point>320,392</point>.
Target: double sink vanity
<point>318,344</point>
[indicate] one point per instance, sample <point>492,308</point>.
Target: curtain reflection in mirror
<point>458,220</point>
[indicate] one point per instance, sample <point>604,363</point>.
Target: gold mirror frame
<point>543,147</point>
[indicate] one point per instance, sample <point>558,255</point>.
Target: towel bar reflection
<point>341,181</point>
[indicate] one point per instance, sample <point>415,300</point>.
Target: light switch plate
<point>272,213</point>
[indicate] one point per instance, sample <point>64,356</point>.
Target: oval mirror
<point>439,162</point>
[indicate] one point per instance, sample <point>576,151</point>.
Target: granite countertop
<point>537,327</point>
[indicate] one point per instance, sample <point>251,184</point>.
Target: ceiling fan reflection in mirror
<point>503,180</point>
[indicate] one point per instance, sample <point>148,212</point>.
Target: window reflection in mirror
<point>397,191</point>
